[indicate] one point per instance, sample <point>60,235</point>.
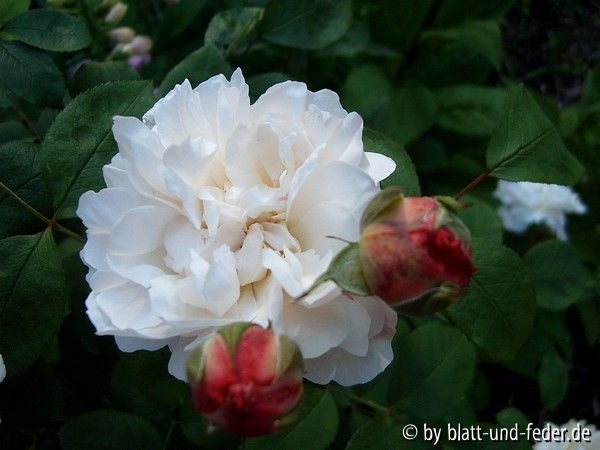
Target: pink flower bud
<point>246,378</point>
<point>139,45</point>
<point>412,247</point>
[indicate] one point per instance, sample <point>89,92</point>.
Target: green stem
<point>168,435</point>
<point>50,222</point>
<point>29,124</point>
<point>361,401</point>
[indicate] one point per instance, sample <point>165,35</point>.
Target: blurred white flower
<point>121,35</point>
<point>217,211</point>
<point>525,203</point>
<point>593,444</point>
<point>116,13</point>
<point>2,369</point>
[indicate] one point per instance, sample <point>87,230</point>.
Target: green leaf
<point>84,127</point>
<point>148,372</point>
<point>306,24</point>
<point>196,67</point>
<point>558,274</point>
<point>95,73</point>
<point>527,147</point>
<point>384,433</point>
<point>22,70</point>
<point>553,379</point>
<point>399,21</point>
<point>10,8</point>
<point>497,311</point>
<point>408,112</point>
<point>177,19</point>
<point>20,172</point>
<point>482,221</point>
<point>196,430</point>
<point>108,430</point>
<point>228,29</point>
<point>366,101</point>
<point>405,175</point>
<point>11,130</point>
<point>483,37</point>
<point>316,427</point>
<point>49,29</point>
<point>469,110</point>
<point>589,315</point>
<point>452,12</point>
<point>259,84</point>
<point>432,372</point>
<point>33,298</point>
<point>510,416</point>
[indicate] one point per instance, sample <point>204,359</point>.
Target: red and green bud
<point>245,379</point>
<point>415,252</point>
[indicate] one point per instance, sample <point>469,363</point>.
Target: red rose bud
<point>414,251</point>
<point>246,378</point>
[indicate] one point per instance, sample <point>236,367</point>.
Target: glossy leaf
<point>434,370</point>
<point>527,147</point>
<point>558,273</point>
<point>23,68</point>
<point>196,67</point>
<point>33,298</point>
<point>21,173</point>
<point>49,29</point>
<point>498,310</point>
<point>84,127</point>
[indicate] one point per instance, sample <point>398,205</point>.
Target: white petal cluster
<point>2,369</point>
<point>525,203</point>
<point>218,211</point>
<point>592,444</point>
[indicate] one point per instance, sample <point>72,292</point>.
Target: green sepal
<point>451,203</point>
<point>345,270</point>
<point>431,302</point>
<point>382,206</point>
<point>232,334</point>
<point>194,365</point>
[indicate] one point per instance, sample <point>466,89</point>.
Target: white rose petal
<point>525,203</point>
<point>219,211</point>
<point>2,369</point>
<point>592,443</point>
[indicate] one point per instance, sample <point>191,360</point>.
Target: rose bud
<point>245,379</point>
<point>415,252</point>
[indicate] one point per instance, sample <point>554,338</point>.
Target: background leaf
<point>498,310</point>
<point>196,67</point>
<point>84,127</point>
<point>436,367</point>
<point>109,430</point>
<point>527,147</point>
<point>22,70</point>
<point>316,427</point>
<point>307,24</point>
<point>558,273</point>
<point>32,298</point>
<point>10,8</point>
<point>49,29</point>
<point>20,172</point>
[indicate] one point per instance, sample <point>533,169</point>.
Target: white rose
<point>217,211</point>
<point>593,443</point>
<point>2,369</point>
<point>525,203</point>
